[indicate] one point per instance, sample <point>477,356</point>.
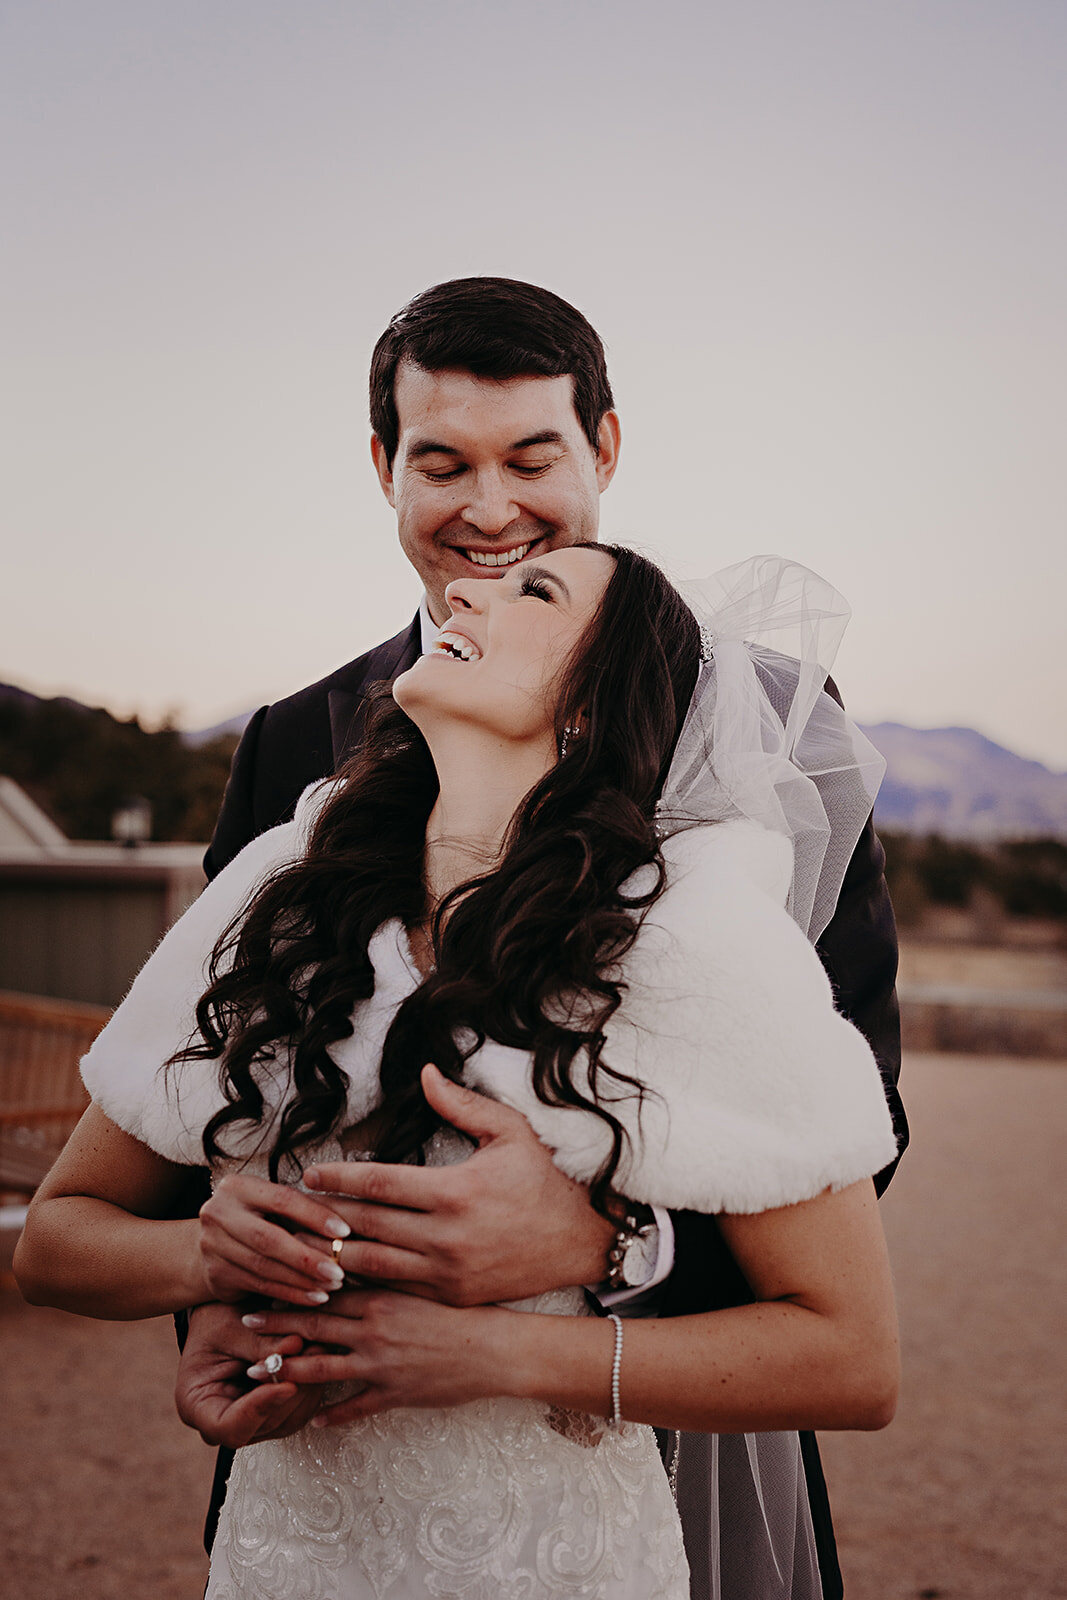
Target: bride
<point>490,888</point>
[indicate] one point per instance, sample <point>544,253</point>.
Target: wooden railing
<point>41,1092</point>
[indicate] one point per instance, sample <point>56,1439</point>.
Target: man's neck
<point>428,628</point>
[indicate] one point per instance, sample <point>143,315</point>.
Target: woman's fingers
<point>281,1200</point>
<point>245,1251</point>
<point>331,1327</point>
<point>242,1272</point>
<point>351,1367</point>
<point>364,1404</point>
<point>404,1349</point>
<point>271,1252</point>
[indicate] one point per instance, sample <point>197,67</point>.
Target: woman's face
<point>497,660</point>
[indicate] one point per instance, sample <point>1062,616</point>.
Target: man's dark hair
<point>493,328</point>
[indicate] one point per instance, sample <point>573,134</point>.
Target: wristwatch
<point>632,1257</point>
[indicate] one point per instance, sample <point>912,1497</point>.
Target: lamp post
<point>131,822</point>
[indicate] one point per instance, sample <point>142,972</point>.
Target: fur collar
<point>758,1093</point>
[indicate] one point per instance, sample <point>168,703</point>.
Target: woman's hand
<point>404,1350</point>
<point>247,1243</point>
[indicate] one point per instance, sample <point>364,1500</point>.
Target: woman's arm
<point>100,1238</point>
<point>95,1240</point>
<point>817,1350</point>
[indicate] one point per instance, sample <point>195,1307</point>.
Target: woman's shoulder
<point>719,856</point>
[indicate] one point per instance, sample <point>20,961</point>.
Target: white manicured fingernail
<point>317,1297</point>
<point>257,1372</point>
<point>336,1228</point>
<point>332,1271</point>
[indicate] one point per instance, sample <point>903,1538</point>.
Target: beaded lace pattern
<point>498,1499</point>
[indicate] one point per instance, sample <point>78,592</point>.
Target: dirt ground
<point>982,966</point>
<point>102,1491</point>
<point>962,1497</point>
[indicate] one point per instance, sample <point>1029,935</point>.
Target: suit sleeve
<point>236,820</point>
<point>859,951</point>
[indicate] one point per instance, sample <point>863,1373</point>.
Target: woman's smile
<point>455,646</point>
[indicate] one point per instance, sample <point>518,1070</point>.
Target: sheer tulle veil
<point>763,739</point>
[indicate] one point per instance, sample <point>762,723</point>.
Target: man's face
<point>490,472</point>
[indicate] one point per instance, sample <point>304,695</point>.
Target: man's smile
<point>499,556</point>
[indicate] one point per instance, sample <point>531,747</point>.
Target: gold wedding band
<point>335,1248</point>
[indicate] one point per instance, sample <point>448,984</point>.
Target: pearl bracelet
<point>616,1368</point>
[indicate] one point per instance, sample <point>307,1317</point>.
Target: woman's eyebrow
<point>543,573</point>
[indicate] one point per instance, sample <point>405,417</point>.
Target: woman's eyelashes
<point>537,586</point>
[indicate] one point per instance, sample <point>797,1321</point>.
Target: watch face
<point>639,1257</point>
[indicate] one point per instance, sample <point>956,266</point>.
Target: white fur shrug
<point>760,1095</point>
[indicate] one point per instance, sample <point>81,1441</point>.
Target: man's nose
<point>490,507</point>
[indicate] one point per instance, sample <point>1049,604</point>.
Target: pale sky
<point>825,242</point>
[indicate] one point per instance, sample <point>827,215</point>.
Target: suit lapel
<point>348,707</point>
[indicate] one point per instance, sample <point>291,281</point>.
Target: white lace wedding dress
<point>494,1500</point>
<point>763,1096</point>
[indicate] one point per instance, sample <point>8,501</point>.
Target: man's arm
<point>859,951</point>
<point>236,821</point>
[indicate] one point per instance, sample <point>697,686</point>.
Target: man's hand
<point>502,1225</point>
<point>212,1392</point>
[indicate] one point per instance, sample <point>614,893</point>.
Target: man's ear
<point>609,440</point>
<point>383,469</point>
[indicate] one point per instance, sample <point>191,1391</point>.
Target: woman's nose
<point>464,594</point>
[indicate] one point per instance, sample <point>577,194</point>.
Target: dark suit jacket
<point>299,740</point>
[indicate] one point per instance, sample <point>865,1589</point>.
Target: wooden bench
<point>41,1092</point>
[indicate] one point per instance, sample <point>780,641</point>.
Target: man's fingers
<point>263,1408</point>
<point>407,1230</point>
<point>364,1259</point>
<point>368,1258</point>
<point>412,1188</point>
<point>468,1111</point>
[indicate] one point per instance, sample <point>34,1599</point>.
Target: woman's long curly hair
<point>526,954</point>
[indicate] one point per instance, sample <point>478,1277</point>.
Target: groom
<point>494,435</point>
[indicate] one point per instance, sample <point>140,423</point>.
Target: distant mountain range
<point>951,781</point>
<point>956,782</point>
<point>219,730</point>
